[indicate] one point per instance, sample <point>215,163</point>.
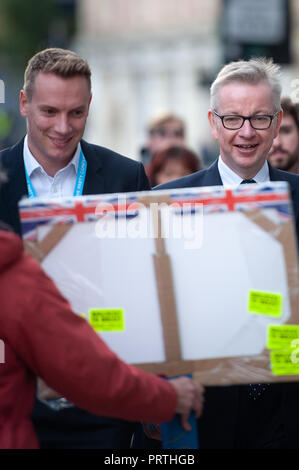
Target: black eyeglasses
<point>234,121</point>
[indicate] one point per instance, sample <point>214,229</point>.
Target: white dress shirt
<point>230,178</point>
<point>62,184</point>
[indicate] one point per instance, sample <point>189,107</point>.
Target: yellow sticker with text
<point>265,303</point>
<point>285,361</point>
<point>281,336</point>
<point>107,319</point>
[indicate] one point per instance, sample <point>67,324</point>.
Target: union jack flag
<point>242,198</point>
<point>34,212</point>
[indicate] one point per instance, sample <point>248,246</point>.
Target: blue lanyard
<point>80,175</point>
<point>79,181</point>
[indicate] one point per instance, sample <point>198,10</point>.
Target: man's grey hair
<point>253,72</point>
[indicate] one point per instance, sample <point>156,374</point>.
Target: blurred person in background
<point>171,163</point>
<point>164,130</point>
<point>284,153</point>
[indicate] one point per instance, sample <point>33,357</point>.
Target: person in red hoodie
<point>43,337</point>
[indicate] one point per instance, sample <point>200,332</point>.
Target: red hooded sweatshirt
<point>40,336</point>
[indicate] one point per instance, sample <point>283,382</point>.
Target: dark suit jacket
<point>220,426</point>
<point>107,172</point>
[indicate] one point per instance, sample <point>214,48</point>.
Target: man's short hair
<point>290,108</point>
<point>253,72</point>
<point>61,62</point>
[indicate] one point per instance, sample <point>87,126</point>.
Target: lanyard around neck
<point>79,181</point>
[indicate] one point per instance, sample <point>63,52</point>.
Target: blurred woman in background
<point>171,163</point>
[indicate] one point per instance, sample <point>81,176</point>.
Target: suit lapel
<point>17,187</point>
<point>16,170</point>
<point>276,175</point>
<point>94,180</point>
<point>212,176</point>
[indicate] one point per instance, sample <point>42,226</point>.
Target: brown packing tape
<point>53,237</point>
<point>32,248</point>
<point>167,307</point>
<point>226,371</point>
<point>169,368</point>
<point>157,228</point>
<point>39,250</point>
<point>287,238</point>
<point>166,294</point>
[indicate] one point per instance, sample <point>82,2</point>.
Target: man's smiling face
<point>56,117</point>
<point>244,150</point>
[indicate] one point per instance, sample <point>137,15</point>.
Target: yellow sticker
<point>107,319</point>
<point>265,303</point>
<point>285,361</point>
<point>281,336</point>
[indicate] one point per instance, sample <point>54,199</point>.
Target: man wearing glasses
<point>245,116</point>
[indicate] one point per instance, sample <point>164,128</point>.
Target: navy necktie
<point>247,182</point>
